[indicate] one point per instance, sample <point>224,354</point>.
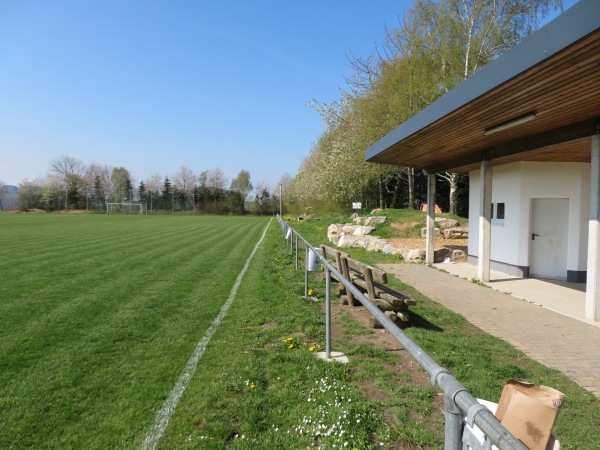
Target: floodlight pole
<point>280,199</point>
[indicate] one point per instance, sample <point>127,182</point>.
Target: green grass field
<point>99,315</point>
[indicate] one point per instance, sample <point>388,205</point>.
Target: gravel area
<point>419,243</point>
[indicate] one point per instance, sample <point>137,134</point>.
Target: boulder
<point>375,244</point>
<point>360,230</point>
<point>415,255</point>
<point>374,220</point>
<point>456,233</point>
<point>370,221</point>
<point>389,249</point>
<point>436,232</point>
<point>346,241</point>
<point>458,255</point>
<point>334,231</point>
<point>445,223</point>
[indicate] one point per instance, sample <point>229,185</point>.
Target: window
<point>497,213</point>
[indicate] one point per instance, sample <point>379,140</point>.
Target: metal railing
<point>458,402</point>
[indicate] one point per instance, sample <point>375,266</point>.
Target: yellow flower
<point>310,292</point>
<point>252,386</point>
<point>291,346</point>
<point>311,349</point>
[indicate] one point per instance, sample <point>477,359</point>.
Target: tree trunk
<point>411,187</point>
<point>453,181</point>
<point>396,191</point>
<point>381,199</point>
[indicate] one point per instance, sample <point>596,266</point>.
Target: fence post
<point>454,425</point>
<point>327,313</point>
<point>296,250</point>
<point>306,273</point>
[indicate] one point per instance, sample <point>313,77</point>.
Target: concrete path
<point>556,340</point>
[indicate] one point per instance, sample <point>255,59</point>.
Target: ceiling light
<point>511,123</point>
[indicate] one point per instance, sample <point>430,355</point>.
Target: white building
<point>527,130</point>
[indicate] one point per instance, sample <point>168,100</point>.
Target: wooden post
<point>369,281</point>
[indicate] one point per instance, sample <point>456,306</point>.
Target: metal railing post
<point>327,313</point>
<point>454,425</point>
<point>306,273</point>
<point>295,234</point>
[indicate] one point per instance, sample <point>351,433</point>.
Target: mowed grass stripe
<point>84,270</point>
<point>98,301</point>
<point>101,370</point>
<point>73,237</point>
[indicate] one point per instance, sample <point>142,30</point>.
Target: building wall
<point>516,185</point>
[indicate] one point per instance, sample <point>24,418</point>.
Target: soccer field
<point>99,316</point>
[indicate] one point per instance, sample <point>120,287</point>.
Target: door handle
<point>533,235</point>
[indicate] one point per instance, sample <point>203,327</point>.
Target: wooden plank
<point>378,274</point>
<point>368,274</point>
<point>384,293</point>
<point>346,273</point>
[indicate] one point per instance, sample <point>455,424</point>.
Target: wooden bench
<point>373,282</point>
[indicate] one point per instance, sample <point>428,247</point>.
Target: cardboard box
<point>529,412</point>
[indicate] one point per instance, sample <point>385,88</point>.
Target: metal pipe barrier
<point>458,402</point>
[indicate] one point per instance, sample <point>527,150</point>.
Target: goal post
<point>125,208</point>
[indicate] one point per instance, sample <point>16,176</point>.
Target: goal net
<point>125,208</point>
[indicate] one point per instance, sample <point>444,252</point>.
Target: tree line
<point>71,184</point>
<point>437,45</point>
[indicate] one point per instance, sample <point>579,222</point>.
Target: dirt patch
<point>405,365</point>
<point>404,228</point>
<point>419,243</point>
<point>73,211</point>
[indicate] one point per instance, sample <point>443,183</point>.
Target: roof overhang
<point>540,101</point>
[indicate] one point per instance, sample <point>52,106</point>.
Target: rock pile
<point>357,235</point>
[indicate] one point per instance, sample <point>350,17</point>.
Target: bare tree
<point>71,171</point>
<point>184,180</point>
<point>67,165</point>
<point>216,179</point>
<point>154,183</point>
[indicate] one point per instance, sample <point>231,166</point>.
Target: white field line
<point>164,415</point>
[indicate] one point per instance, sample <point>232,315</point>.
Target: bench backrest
<point>356,266</point>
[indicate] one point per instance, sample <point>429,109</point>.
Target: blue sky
<point>156,85</point>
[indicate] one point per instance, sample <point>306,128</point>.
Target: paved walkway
<point>554,339</point>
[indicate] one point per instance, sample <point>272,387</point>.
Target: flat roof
<point>550,80</point>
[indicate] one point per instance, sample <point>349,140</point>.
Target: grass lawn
<point>99,315</point>
<point>478,360</point>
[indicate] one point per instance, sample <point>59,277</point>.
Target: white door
<point>549,234</point>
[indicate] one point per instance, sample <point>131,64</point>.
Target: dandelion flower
<point>310,292</point>
<point>252,386</point>
<point>291,346</point>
